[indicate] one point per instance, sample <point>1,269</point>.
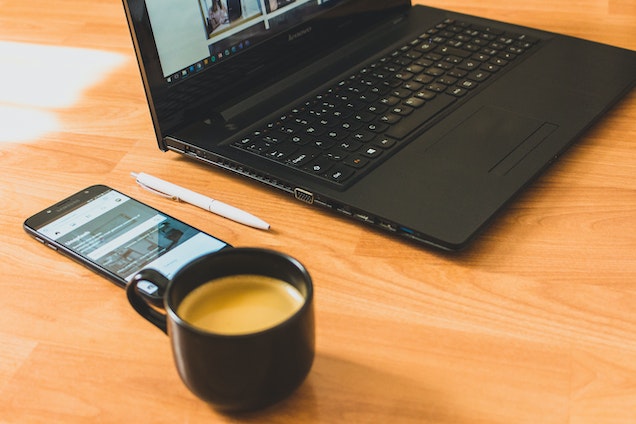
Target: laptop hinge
<point>309,77</point>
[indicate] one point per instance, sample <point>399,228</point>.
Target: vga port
<point>304,195</point>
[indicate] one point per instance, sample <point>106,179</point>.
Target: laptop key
<point>320,165</point>
<point>457,91</point>
<point>452,51</point>
<point>363,136</point>
<point>372,152</point>
<point>281,152</point>
<point>323,144</point>
<point>302,157</point>
<point>414,102</point>
<point>339,174</point>
<point>385,142</point>
<point>258,146</point>
<point>356,161</point>
<point>425,95</point>
<point>467,84</point>
<point>349,146</point>
<point>479,76</point>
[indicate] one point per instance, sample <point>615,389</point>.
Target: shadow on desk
<point>352,392</point>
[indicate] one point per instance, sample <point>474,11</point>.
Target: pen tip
<point>134,174</point>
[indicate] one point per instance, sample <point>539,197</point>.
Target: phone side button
<point>51,246</point>
<point>147,287</point>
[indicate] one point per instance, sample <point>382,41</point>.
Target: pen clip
<point>155,191</point>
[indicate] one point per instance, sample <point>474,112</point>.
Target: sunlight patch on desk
<point>20,124</point>
<point>36,80</point>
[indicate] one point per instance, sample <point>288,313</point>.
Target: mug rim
<point>190,327</point>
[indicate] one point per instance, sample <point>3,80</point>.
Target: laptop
<point>420,122</point>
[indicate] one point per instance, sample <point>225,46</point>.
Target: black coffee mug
<point>235,372</point>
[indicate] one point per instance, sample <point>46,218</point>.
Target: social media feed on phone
<point>124,236</point>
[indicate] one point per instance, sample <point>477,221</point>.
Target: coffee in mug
<point>240,322</point>
<point>240,304</point>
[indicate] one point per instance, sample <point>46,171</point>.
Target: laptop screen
<point>192,36</point>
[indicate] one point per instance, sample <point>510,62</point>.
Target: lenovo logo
<point>299,34</point>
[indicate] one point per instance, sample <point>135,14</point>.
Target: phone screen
<point>118,235</point>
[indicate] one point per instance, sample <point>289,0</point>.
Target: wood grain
<point>534,323</point>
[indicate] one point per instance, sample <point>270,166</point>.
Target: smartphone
<point>118,236</point>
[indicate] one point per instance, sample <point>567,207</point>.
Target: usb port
<point>323,204</point>
<point>191,151</point>
<point>363,217</point>
<point>408,233</point>
<point>387,226</point>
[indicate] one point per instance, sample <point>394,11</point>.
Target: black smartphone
<point>117,236</point>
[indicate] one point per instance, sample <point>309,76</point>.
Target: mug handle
<point>149,304</point>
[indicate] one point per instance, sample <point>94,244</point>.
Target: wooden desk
<point>536,323</point>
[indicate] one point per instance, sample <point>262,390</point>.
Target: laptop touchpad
<point>494,139</point>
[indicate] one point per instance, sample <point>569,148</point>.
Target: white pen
<point>175,192</point>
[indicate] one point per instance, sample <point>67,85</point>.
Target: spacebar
<point>409,123</point>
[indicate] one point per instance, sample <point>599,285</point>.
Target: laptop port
<point>322,203</point>
<point>407,230</point>
<point>387,226</point>
<point>410,234</point>
<point>304,195</point>
<point>363,217</point>
<point>191,151</point>
<point>345,210</point>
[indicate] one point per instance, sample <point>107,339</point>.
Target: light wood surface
<point>535,323</point>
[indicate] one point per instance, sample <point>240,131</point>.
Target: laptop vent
<point>231,166</point>
<point>240,169</point>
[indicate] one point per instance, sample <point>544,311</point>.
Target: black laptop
<point>420,122</point>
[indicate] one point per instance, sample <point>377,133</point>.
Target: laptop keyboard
<point>348,129</point>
